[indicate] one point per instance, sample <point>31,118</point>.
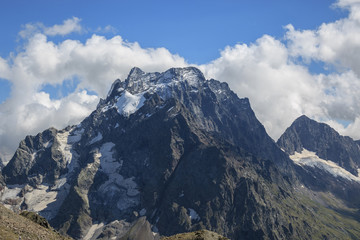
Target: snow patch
<point>107,162</point>
<point>43,199</point>
<point>142,212</point>
<point>193,215</point>
<point>308,158</point>
<point>128,103</point>
<point>11,192</point>
<point>98,138</point>
<point>64,147</point>
<point>126,188</point>
<point>92,230</point>
<point>38,199</point>
<point>76,135</point>
<point>47,144</point>
<point>66,144</point>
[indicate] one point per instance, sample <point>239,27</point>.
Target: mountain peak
<point>136,71</point>
<point>138,80</point>
<point>166,84</point>
<point>303,118</point>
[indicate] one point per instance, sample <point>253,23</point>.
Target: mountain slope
<point>180,150</point>
<point>325,160</point>
<point>202,234</point>
<point>13,226</point>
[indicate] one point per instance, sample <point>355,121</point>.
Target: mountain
<point>168,153</point>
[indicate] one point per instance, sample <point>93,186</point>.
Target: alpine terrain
<point>172,152</point>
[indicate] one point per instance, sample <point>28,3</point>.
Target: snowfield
<point>310,159</point>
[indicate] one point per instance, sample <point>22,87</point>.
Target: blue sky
<point>197,30</point>
<point>57,58</point>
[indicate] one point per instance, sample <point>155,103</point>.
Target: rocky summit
<point>173,152</point>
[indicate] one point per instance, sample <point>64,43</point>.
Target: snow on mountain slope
<point>125,189</point>
<point>310,159</point>
<point>128,103</point>
<point>46,198</point>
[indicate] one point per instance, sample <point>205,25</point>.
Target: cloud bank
<point>273,73</point>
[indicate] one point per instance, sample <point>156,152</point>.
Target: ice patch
<point>193,215</point>
<point>142,212</point>
<point>38,199</point>
<point>126,188</point>
<point>308,158</point>
<point>128,103</point>
<point>41,199</point>
<point>92,230</point>
<point>98,138</point>
<point>59,183</point>
<point>75,136</point>
<point>107,163</point>
<point>47,144</point>
<point>64,147</point>
<point>11,192</point>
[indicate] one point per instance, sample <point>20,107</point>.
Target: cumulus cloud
<point>69,26</point>
<point>336,43</point>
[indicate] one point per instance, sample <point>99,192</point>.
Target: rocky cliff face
<point>171,151</point>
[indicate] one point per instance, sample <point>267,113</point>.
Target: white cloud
<point>106,29</point>
<point>336,43</point>
<point>68,26</point>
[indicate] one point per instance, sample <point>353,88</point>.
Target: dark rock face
<point>25,167</point>
<point>180,150</point>
<point>322,139</point>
